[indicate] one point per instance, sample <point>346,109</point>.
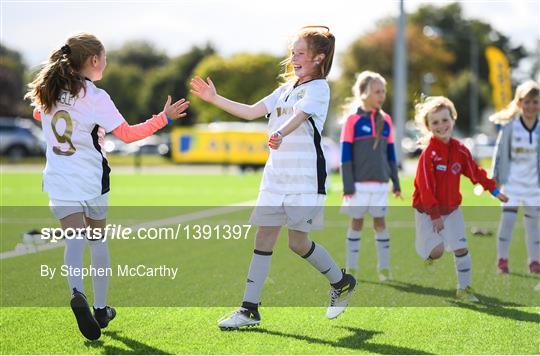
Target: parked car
<point>20,138</point>
<point>158,144</point>
<point>409,142</point>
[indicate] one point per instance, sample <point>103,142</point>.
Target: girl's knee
<point>437,252</point>
<point>299,242</point>
<point>379,224</point>
<point>266,237</point>
<point>357,224</point>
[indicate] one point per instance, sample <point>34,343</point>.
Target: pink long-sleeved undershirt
<point>131,133</point>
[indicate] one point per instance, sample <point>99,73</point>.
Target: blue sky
<point>36,27</point>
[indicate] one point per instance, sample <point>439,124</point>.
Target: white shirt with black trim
<point>523,168</point>
<point>296,167</point>
<point>74,129</point>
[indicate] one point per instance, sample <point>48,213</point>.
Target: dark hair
<point>63,71</point>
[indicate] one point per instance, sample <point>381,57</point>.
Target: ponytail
<point>379,125</point>
<point>62,71</point>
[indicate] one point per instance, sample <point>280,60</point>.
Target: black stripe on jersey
<point>321,161</point>
<point>105,180</point>
<point>527,129</point>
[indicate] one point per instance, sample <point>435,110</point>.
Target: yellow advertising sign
<point>225,144</point>
<point>499,77</point>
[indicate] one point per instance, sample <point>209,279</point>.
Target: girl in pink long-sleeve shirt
<point>75,114</point>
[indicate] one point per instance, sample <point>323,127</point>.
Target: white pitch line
<point>149,224</point>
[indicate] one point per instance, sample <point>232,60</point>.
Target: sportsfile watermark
<point>201,257</point>
<point>119,232</point>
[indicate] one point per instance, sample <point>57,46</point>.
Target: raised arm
<point>131,133</point>
<point>207,92</point>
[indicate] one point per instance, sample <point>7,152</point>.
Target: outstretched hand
<point>205,91</point>
<point>176,110</point>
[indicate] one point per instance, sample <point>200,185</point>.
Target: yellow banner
<point>499,77</point>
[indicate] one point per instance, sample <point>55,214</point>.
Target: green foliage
<point>11,83</point>
<point>246,78</point>
<point>375,51</point>
<point>138,53</point>
<point>172,79</point>
<point>123,83</point>
<point>439,44</point>
<point>459,36</point>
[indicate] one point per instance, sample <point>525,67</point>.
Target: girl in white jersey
<point>75,114</point>
<point>516,165</point>
<point>292,190</point>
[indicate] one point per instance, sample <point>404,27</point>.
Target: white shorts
<point>369,198</point>
<point>518,196</point>
<point>302,212</point>
<point>95,209</point>
<point>453,235</point>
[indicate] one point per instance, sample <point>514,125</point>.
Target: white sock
<point>258,271</point>
<point>100,259</point>
<point>73,258</point>
<point>506,225</point>
<point>383,249</point>
<point>463,270</point>
<point>323,262</point>
<point>353,248</point>
<point>530,220</point>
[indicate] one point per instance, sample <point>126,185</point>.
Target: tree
<point>138,53</point>
<point>124,84</point>
<point>246,78</point>
<point>172,79</point>
<point>459,36</point>
<point>439,50</point>
<point>448,23</point>
<point>11,83</point>
<point>375,51</point>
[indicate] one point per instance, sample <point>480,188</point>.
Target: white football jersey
<point>523,156</point>
<point>74,129</point>
<point>298,166</point>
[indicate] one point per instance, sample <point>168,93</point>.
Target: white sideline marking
<point>23,249</point>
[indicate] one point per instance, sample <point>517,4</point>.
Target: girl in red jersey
<point>436,197</point>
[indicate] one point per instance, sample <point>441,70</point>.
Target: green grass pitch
<point>415,313</point>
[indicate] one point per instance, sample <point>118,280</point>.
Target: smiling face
<point>306,66</point>
<point>530,106</point>
<point>376,95</point>
<point>441,124</point>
